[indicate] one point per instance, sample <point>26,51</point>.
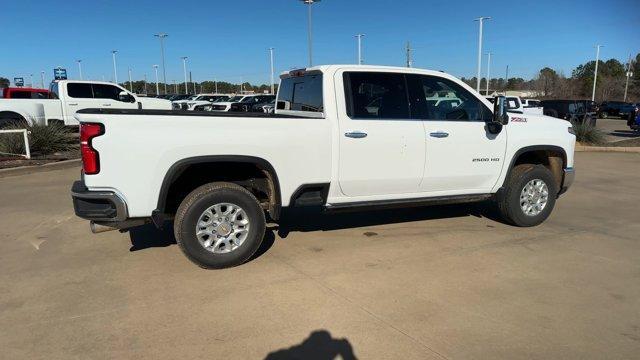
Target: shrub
<point>43,139</point>
<point>588,134</point>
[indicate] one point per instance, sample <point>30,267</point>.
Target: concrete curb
<point>634,149</point>
<point>23,170</point>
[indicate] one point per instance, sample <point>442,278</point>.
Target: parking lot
<point>438,282</point>
<point>615,129</point>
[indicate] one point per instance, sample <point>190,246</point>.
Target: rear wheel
<point>11,119</point>
<point>219,225</point>
<point>529,197</point>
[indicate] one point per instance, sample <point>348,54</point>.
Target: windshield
<point>247,99</point>
<point>236,98</point>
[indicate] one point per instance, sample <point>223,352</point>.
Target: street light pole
<point>595,73</point>
<point>309,4</point>
<point>42,79</point>
<point>175,87</point>
<point>409,60</point>
<point>115,71</point>
<point>626,86</point>
<point>80,67</point>
<point>155,67</point>
<point>215,84</point>
<point>130,82</point>
<point>184,66</point>
<point>272,81</point>
<point>488,74</point>
<point>480,20</point>
<point>360,36</point>
<point>31,80</point>
<point>161,36</point>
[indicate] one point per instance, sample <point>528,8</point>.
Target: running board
<point>398,203</point>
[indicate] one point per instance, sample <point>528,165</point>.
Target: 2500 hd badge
<point>484,159</point>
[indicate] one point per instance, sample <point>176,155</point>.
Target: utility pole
<point>359,36</point>
<point>184,66</point>
<point>488,72</point>
<point>130,82</point>
<point>162,36</point>
<point>595,73</point>
<point>629,74</point>
<point>115,71</point>
<point>309,4</point>
<point>272,81</point>
<point>409,60</point>
<point>481,21</point>
<point>42,79</point>
<point>155,67</point>
<point>80,67</point>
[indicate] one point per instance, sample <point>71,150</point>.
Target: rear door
<point>382,149</point>
<point>79,96</point>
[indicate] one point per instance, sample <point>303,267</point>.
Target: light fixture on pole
<point>155,67</point>
<point>130,82</point>
<point>488,72</point>
<point>79,61</point>
<point>161,36</point>
<point>481,21</point>
<point>595,72</point>
<point>115,71</point>
<point>360,36</point>
<point>184,66</point>
<point>272,81</point>
<point>31,81</point>
<point>629,74</point>
<point>309,4</point>
<point>42,79</point>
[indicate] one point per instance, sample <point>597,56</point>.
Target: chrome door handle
<point>356,134</point>
<point>106,104</point>
<point>439,134</point>
<point>74,104</point>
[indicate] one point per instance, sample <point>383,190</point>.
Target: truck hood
<point>155,104</point>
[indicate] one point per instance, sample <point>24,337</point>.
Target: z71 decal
<point>518,119</point>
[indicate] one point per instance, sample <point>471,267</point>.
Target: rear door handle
<point>356,134</point>
<point>74,104</point>
<point>106,104</point>
<point>439,134</point>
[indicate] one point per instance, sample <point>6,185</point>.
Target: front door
<point>382,150</point>
<point>109,97</point>
<point>461,155</point>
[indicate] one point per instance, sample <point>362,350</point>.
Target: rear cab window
<point>301,95</point>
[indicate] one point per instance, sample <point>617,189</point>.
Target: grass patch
<point>43,139</point>
<point>588,134</point>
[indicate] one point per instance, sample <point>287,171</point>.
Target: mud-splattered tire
<point>219,225</point>
<point>529,196</point>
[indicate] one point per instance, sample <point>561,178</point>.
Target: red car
<point>24,93</point>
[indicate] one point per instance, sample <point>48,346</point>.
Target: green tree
<point>4,82</point>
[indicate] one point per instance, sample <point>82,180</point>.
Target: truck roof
<point>332,67</point>
<point>85,81</point>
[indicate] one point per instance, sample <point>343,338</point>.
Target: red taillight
<point>90,157</point>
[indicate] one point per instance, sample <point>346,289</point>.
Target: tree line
<point>551,84</point>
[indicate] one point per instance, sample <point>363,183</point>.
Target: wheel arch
<point>553,157</point>
<point>14,114</point>
<point>180,167</point>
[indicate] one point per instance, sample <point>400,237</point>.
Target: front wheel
<point>529,197</point>
<point>219,225</point>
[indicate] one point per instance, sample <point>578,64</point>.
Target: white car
<point>182,104</point>
<point>515,103</point>
<point>70,96</point>
<point>343,137</point>
<point>226,105</point>
<point>204,101</point>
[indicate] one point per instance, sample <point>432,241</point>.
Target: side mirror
<point>125,97</point>
<point>500,115</point>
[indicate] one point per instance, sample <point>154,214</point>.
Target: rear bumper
<point>103,206</point>
<point>567,179</point>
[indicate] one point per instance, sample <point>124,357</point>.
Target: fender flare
<point>526,149</point>
<point>180,166</point>
<point>22,114</point>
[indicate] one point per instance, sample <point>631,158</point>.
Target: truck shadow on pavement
<point>320,345</point>
<point>315,219</point>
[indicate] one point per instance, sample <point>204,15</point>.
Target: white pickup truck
<point>342,137</point>
<point>69,96</point>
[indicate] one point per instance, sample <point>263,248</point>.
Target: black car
<point>576,111</point>
<point>252,103</point>
<point>615,108</point>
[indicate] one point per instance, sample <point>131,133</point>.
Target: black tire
<point>11,119</point>
<point>195,204</point>
<point>509,201</point>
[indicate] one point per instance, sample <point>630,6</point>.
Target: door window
<point>80,90</point>
<point>376,95</point>
<point>435,98</point>
<point>103,91</point>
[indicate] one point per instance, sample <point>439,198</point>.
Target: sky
<point>228,40</point>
